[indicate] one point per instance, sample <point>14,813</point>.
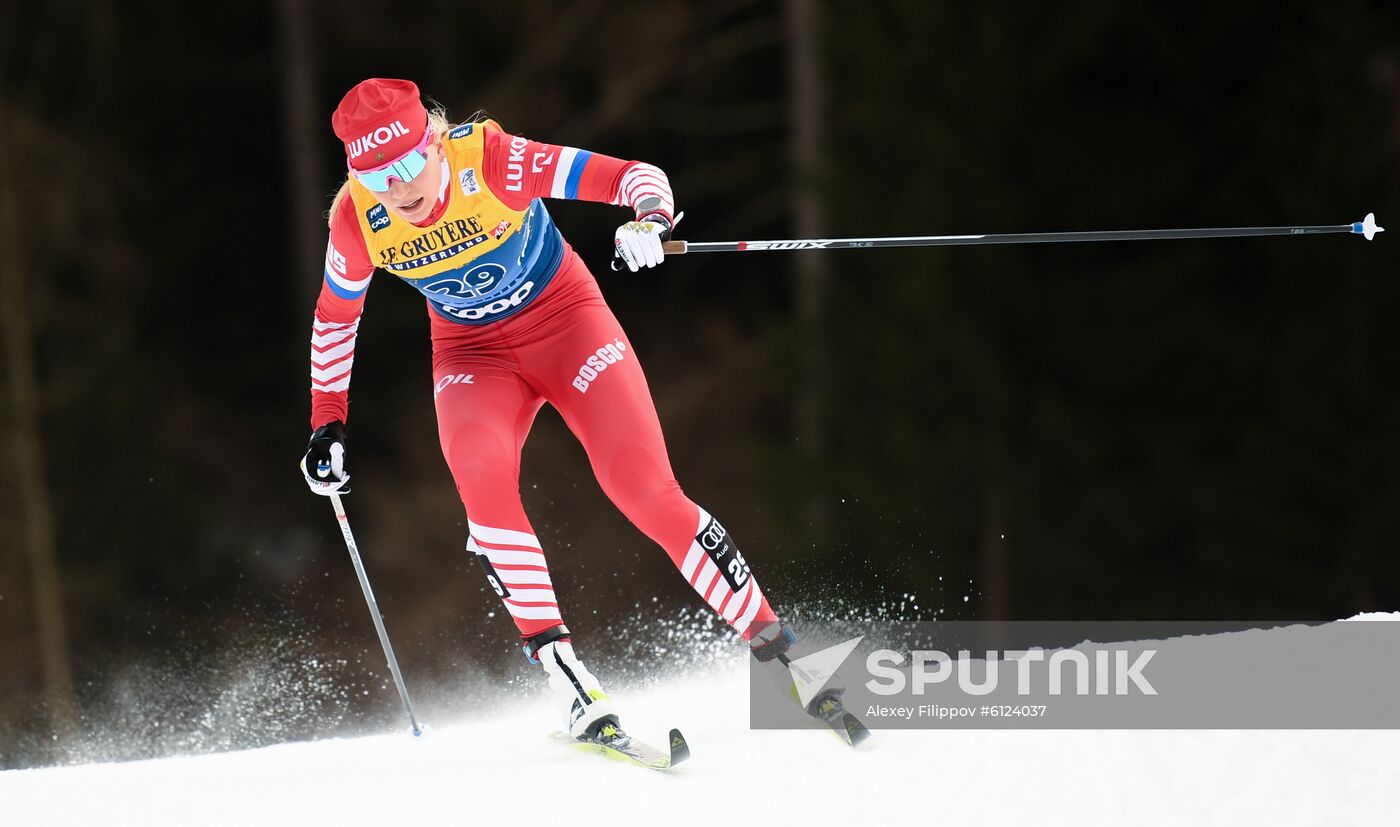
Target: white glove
<point>638,242</point>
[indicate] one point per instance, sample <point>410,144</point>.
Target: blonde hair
<point>437,122</point>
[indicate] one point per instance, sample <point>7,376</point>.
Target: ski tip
<point>856,732</point>
<point>1367,227</point>
<point>680,750</point>
<point>850,729</point>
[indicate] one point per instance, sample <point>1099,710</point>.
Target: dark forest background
<point>1189,430</point>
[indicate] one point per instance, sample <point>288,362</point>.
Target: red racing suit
<point>517,320</point>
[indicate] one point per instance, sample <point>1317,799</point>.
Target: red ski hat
<point>379,120</point>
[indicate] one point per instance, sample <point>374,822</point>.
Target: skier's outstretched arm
<point>519,170</point>
<point>334,330</point>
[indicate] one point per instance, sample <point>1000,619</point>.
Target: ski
<point>826,706</point>
<point>828,709</point>
<point>617,745</point>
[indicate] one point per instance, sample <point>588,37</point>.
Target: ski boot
<point>589,719</point>
<point>587,712</point>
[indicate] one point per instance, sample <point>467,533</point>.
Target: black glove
<point>666,223</point>
<point>324,463</point>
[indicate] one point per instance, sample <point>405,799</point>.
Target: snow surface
<point>500,768</point>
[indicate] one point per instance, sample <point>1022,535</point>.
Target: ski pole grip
<point>670,248</point>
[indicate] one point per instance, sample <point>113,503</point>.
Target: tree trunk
<point>300,135</point>
<point>994,577</point>
<point>812,273</point>
<point>26,445</point>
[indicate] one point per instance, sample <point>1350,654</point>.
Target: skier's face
<point>414,201</point>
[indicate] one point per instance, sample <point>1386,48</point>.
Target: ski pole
<point>1365,227</point>
<point>374,611</point>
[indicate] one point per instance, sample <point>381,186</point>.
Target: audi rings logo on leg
<point>726,556</point>
<point>712,536</point>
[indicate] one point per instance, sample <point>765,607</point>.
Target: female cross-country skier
<point>516,320</point>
